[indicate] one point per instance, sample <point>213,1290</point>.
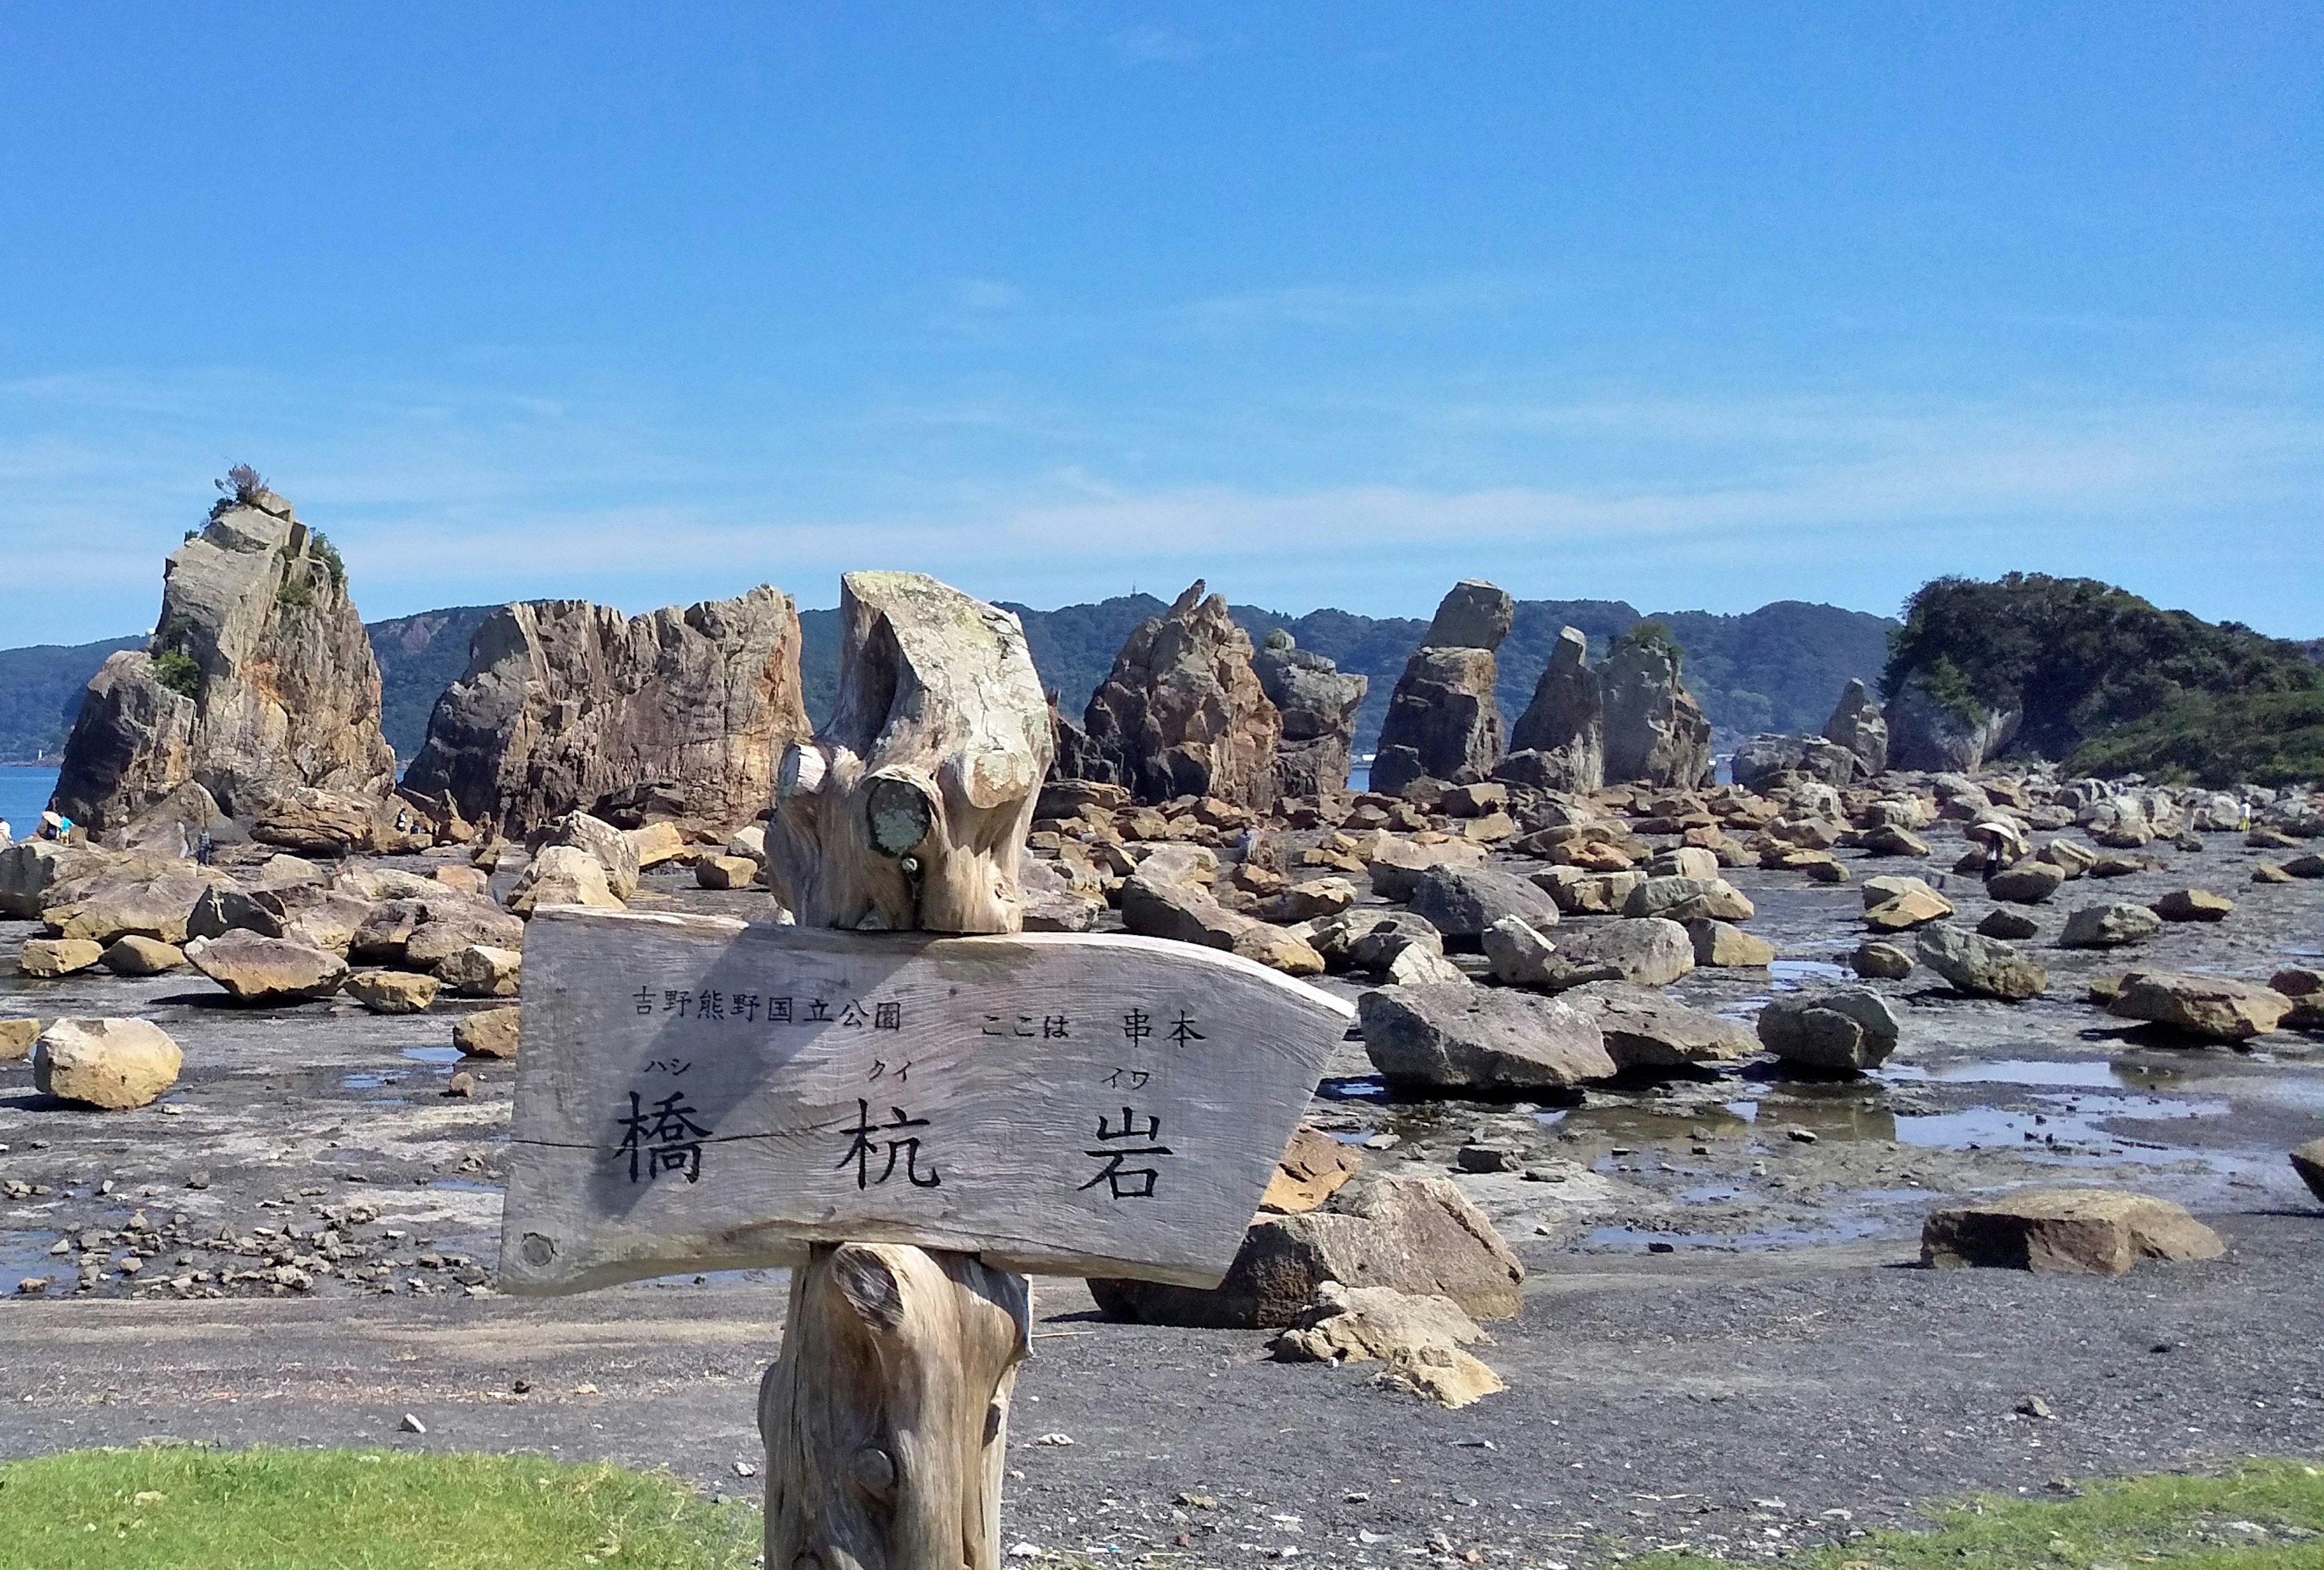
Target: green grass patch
<point>188,1507</point>
<point>2263,1515</point>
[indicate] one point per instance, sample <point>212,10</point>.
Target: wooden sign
<point>695,1093</point>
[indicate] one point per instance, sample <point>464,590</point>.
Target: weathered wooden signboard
<point>695,1093</point>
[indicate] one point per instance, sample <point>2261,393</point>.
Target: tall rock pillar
<point>1182,713</point>
<point>1558,741</point>
<point>1656,733</point>
<point>1442,721</point>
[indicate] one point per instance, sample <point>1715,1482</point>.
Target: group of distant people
<point>54,826</point>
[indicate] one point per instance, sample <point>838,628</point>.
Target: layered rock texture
<point>1656,733</point>
<point>1857,725</point>
<point>1558,741</point>
<point>1956,737</point>
<point>1183,711</point>
<point>1442,722</point>
<point>258,680</point>
<point>567,706</point>
<point>1318,704</point>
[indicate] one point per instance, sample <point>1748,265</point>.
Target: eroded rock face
<point>1442,721</point>
<point>567,706</point>
<point>1857,725</point>
<point>1184,712</point>
<point>1656,733</point>
<point>1318,703</point>
<point>259,677</point>
<point>1924,732</point>
<point>1565,722</point>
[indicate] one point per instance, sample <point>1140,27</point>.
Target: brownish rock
<point>490,1034</point>
<point>567,706</point>
<point>1183,711</point>
<point>1313,1167</point>
<point>2099,1230</point>
<point>256,621</point>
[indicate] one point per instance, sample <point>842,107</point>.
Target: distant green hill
<point>418,657</point>
<point>40,694</point>
<point>2109,683</point>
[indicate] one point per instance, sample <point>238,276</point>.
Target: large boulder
<point>30,868</point>
<point>1460,903</point>
<point>1944,735</point>
<point>615,851</point>
<point>1655,732</point>
<point>2201,1005</point>
<point>1857,725</point>
<point>2094,1231</point>
<point>2109,926</point>
<point>47,958</point>
<point>1649,951</point>
<point>267,970</point>
<point>1981,967</point>
<point>1442,722</point>
<point>1765,757</point>
<point>117,1065</point>
<point>1564,726</point>
<point>1843,1031</point>
<point>1397,865</point>
<point>148,901</point>
<point>1183,713</point>
<point>1645,1031</point>
<point>1413,1234</point>
<point>563,875</point>
<point>1688,899</point>
<point>1318,702</point>
<point>567,706</point>
<point>2028,882</point>
<point>1460,1036</point>
<point>259,677</point>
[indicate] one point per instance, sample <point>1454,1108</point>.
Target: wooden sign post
<point>907,1119</point>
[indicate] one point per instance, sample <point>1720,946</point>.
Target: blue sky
<point>1693,306</point>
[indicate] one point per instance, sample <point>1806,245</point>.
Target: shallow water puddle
<point>2094,1072</point>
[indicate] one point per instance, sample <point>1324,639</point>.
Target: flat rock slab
<point>2098,1231</point>
<point>2216,1006</point>
<point>1456,1036</point>
<point>695,1093</point>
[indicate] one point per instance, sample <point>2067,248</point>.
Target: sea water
<point>23,795</point>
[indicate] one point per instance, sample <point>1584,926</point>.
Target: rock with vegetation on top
<point>2094,1231</point>
<point>1655,732</point>
<point>117,1065</point>
<point>258,677</point>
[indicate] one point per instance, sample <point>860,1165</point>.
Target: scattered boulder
<point>2109,926</point>
<point>1395,866</point>
<point>1460,903</point>
<point>1309,901</point>
<point>136,955</point>
<point>1688,899</point>
<point>1843,1031</point>
<point>1983,967</point>
<point>2305,988</point>
<point>223,907</point>
<point>2202,1005</point>
<point>611,847</point>
<point>1645,1031</point>
<point>492,1033</point>
<point>1650,951</point>
<point>2096,1231</point>
<point>1411,1234</point>
<point>148,901</point>
<point>1877,961</point>
<point>2028,882</point>
<point>117,1065</point>
<point>2307,1160</point>
<point>393,992</point>
<point>267,970</point>
<point>1442,722</point>
<point>1766,759</point>
<point>2193,905</point>
<point>1419,1338</point>
<point>47,958</point>
<point>1721,947</point>
<point>565,706</point>
<point>2010,926</point>
<point>653,843</point>
<point>1469,1038</point>
<point>1908,907</point>
<point>449,925</point>
<point>726,873</point>
<point>1312,1168</point>
<point>479,972</point>
<point>1183,711</point>
<point>1163,907</point>
<point>563,875</point>
<point>16,1038</point>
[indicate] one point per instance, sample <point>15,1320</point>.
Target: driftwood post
<point>902,1097</point>
<point>886,1417</point>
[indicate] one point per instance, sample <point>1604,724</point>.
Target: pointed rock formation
<point>1442,722</point>
<point>1656,733</point>
<point>258,680</point>
<point>567,706</point>
<point>1561,734</point>
<point>1183,711</point>
<point>1318,704</point>
<point>1857,725</point>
